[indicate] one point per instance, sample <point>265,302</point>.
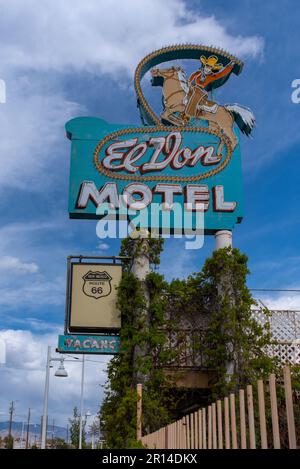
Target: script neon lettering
<point>121,156</point>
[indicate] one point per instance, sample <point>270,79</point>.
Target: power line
<point>276,289</point>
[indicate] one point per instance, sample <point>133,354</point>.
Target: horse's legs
<point>221,120</point>
<point>213,124</point>
<point>173,106</point>
<point>226,123</point>
<point>230,134</point>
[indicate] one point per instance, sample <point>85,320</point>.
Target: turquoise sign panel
<point>152,168</point>
<point>89,344</point>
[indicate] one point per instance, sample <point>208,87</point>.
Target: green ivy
<point>118,412</point>
<point>220,294</point>
<point>233,336</point>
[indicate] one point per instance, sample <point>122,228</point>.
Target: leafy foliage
<point>133,247</point>
<point>9,442</point>
<point>233,344</point>
<point>75,427</point>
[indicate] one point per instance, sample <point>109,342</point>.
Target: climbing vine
<point>118,412</point>
<point>133,247</point>
<point>232,346</point>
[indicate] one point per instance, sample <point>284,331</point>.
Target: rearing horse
<point>176,90</point>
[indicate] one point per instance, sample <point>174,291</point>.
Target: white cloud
<point>103,246</point>
<point>32,126</point>
<point>77,35</point>
<point>23,378</point>
<point>9,263</point>
<point>282,301</point>
<point>41,292</point>
<point>47,285</point>
<point>106,35</point>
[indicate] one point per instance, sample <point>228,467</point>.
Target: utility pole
<point>11,411</point>
<point>41,427</point>
<point>27,433</point>
<point>52,433</point>
<point>67,434</point>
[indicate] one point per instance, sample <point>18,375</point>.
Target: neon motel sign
<point>188,158</point>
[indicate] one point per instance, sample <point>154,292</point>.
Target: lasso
<point>149,118</point>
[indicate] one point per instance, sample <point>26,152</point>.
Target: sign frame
<point>102,350</point>
<point>79,260</point>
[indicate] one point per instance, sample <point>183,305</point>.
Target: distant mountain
<point>34,430</point>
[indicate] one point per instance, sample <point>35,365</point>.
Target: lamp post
<point>81,404</point>
<point>61,373</point>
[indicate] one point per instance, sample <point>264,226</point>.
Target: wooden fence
<point>246,420</point>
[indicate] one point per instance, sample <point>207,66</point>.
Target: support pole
<point>223,239</point>
<point>81,404</point>
<point>46,394</point>
<point>141,268</point>
<point>141,265</point>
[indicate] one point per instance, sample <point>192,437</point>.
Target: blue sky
<point>64,59</point>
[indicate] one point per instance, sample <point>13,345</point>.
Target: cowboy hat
<point>211,61</point>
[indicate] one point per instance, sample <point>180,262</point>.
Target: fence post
<point>196,438</point>
<point>243,419</point>
<point>227,424</point>
<point>139,412</point>
<point>209,428</point>
<point>220,425</point>
<point>262,414</point>
<point>184,436</point>
<point>200,428</point>
<point>274,411</point>
<point>251,417</point>
<point>192,431</point>
<point>214,426</point>
<point>204,427</point>
<point>233,422</point>
<point>173,435</point>
<point>289,407</point>
<point>166,445</point>
<point>188,432</point>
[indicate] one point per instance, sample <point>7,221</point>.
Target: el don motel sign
<point>188,157</point>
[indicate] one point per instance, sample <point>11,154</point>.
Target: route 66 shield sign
<point>92,297</point>
<point>97,284</point>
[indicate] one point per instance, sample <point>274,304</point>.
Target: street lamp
<point>62,373</point>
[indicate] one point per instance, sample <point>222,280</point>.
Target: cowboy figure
<point>204,80</point>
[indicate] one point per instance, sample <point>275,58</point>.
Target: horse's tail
<point>243,116</point>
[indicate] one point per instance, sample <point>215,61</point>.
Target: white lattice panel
<point>285,328</point>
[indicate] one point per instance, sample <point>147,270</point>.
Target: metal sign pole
<point>81,403</point>
<point>46,393</point>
